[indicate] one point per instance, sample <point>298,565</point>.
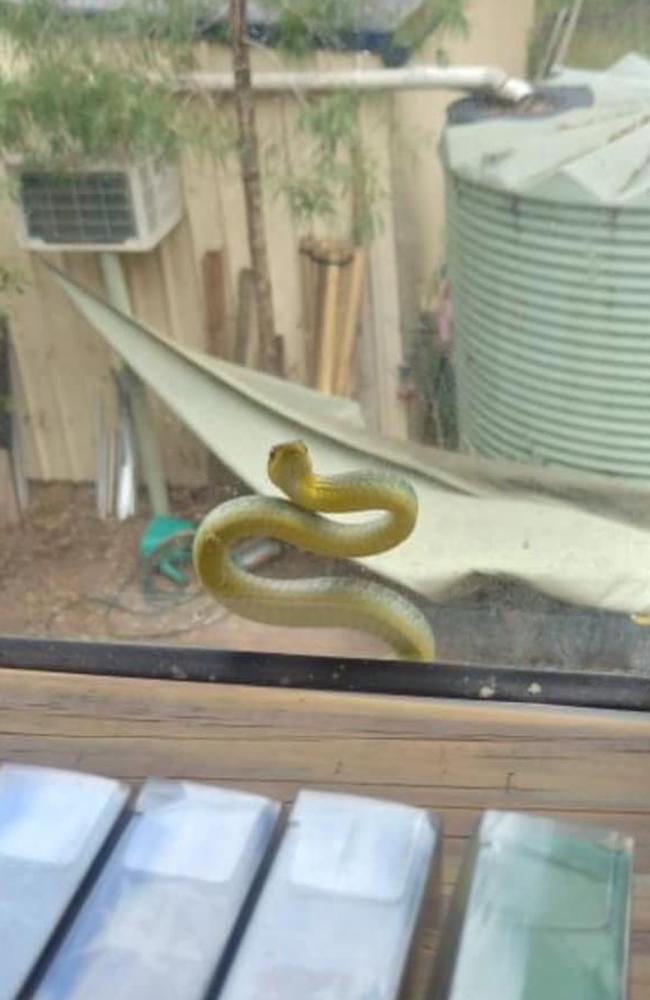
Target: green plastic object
<point>166,547</point>
<point>541,911</point>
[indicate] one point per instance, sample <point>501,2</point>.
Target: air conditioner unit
<point>113,207</point>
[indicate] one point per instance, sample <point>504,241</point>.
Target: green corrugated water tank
<point>549,261</point>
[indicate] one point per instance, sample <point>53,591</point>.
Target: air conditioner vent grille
<point>90,208</point>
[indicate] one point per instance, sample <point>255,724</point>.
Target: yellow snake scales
<point>298,521</point>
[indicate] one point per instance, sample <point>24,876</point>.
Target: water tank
<point>548,212</point>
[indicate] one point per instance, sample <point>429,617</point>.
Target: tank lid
<point>583,138</point>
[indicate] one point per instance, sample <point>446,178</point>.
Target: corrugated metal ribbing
<point>552,325</point>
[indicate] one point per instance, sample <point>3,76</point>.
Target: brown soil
<point>66,573</point>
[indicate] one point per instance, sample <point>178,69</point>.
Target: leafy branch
<point>334,166</point>
<point>88,88</point>
<point>98,87</point>
<point>83,89</point>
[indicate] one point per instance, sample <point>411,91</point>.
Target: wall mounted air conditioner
<point>127,208</point>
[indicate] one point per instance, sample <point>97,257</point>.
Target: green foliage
<point>331,120</point>
<point>37,24</point>
<point>88,88</point>
<point>334,166</point>
<point>305,24</point>
<point>99,87</point>
<point>64,111</point>
<point>337,167</point>
<point>11,281</point>
<point>441,16</point>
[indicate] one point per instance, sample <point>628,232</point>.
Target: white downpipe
<point>484,79</point>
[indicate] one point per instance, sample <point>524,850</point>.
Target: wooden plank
<point>215,305</point>
<point>345,380</point>
<point>235,247</point>
<point>10,467</point>
<point>281,234</point>
<point>316,232</point>
<point>54,303</point>
<point>382,317</point>
<point>9,510</point>
<point>245,340</point>
<point>185,458</point>
<point>72,347</point>
<point>23,444</point>
<point>297,149</point>
<point>331,263</point>
<point>455,758</point>
<point>34,339</point>
<point>18,457</point>
<point>95,357</point>
<point>60,361</point>
<point>181,287</point>
<point>205,226</point>
<point>34,401</point>
<point>310,304</point>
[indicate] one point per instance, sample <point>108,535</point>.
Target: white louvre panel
<point>52,825</point>
<point>108,207</point>
<point>161,915</point>
<point>339,909</point>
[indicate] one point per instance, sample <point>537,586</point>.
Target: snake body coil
<point>324,601</point>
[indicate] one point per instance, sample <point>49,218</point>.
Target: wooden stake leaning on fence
<point>214,298</point>
<point>17,445</point>
<point>244,335</point>
<point>9,510</point>
<point>328,317</point>
<point>332,258</point>
<point>310,298</point>
<point>343,292</point>
<point>270,346</point>
<point>332,284</point>
<point>344,383</point>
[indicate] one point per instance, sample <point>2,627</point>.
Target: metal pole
<point>148,445</point>
<point>548,59</point>
<point>569,32</point>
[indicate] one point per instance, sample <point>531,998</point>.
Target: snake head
<point>289,464</point>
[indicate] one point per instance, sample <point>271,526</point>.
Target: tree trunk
<point>270,354</point>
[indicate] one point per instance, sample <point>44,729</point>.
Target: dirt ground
<point>66,573</point>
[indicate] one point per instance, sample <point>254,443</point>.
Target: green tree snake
<point>298,521</point>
